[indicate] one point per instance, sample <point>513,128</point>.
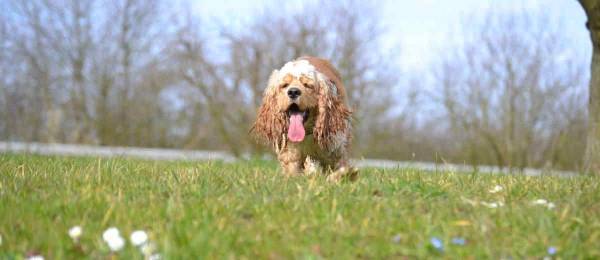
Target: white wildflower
<point>496,189</point>
<point>116,244</point>
<point>111,232</point>
<point>138,237</point>
<point>155,257</point>
<point>75,232</point>
<point>35,257</point>
<point>492,205</point>
<point>113,238</point>
<point>147,249</point>
<point>543,202</point>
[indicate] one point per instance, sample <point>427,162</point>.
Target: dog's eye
<point>285,85</point>
<point>306,85</point>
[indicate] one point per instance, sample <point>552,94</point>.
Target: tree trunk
<point>592,153</point>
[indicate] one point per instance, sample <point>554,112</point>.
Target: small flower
<point>113,238</point>
<point>492,205</point>
<point>459,241</point>
<point>116,244</point>
<point>543,202</point>
<point>138,237</point>
<point>147,249</point>
<point>155,257</point>
<point>496,189</point>
<point>75,233</point>
<point>437,243</point>
<point>396,239</point>
<point>111,232</point>
<point>552,250</point>
<point>35,257</point>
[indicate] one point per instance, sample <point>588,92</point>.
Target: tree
<point>507,95</point>
<point>592,153</point>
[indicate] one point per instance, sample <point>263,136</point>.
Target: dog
<point>305,116</point>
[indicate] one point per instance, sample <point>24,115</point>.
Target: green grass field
<point>247,210</point>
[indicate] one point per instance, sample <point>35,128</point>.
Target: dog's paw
<point>311,167</point>
<point>343,174</point>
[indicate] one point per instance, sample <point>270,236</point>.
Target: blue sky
<point>419,27</point>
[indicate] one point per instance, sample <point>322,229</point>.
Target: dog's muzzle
<point>294,93</point>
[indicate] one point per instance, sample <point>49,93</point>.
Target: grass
<point>247,210</point>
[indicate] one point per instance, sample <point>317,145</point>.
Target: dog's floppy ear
<point>333,121</point>
<point>270,124</point>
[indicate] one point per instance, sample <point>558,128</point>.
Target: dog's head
<point>301,100</point>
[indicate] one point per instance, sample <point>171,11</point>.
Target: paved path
<point>195,155</point>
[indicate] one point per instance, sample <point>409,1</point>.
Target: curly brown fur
<point>271,122</point>
<point>334,117</point>
<point>321,132</point>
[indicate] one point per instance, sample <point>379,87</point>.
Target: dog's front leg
<point>291,161</point>
<point>343,171</point>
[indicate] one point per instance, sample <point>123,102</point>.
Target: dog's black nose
<point>294,93</point>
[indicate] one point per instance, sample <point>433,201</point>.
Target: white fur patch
<point>330,85</point>
<point>311,167</point>
<point>298,68</point>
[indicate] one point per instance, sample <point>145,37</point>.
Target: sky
<point>420,28</point>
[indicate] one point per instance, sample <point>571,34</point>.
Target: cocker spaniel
<point>305,117</point>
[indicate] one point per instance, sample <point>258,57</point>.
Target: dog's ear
<point>270,124</point>
<point>333,122</point>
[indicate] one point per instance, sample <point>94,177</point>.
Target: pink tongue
<point>296,129</point>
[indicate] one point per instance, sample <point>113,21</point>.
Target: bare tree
<point>81,78</point>
<point>592,154</point>
<point>4,81</point>
<point>70,33</point>
<point>505,91</point>
<point>138,27</point>
<point>30,98</point>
